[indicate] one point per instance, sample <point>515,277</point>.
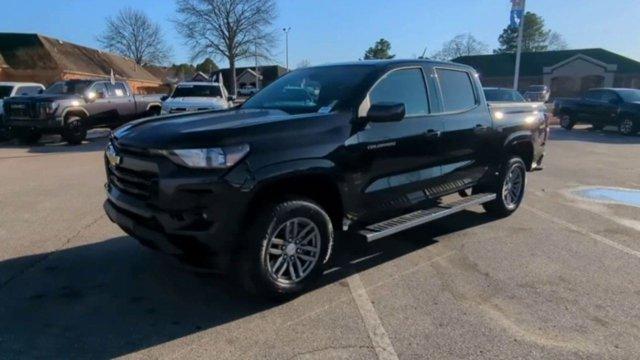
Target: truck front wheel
<point>509,188</point>
<point>75,130</point>
<point>287,248</point>
<point>566,122</point>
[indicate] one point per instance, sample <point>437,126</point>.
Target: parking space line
<point>377,334</point>
<point>582,231</point>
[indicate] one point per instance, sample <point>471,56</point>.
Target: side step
<point>419,217</point>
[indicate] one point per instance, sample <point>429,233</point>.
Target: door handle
<point>432,133</point>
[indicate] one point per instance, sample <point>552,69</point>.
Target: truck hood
<point>190,102</point>
<point>212,129</point>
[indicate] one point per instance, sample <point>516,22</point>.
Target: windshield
<point>5,91</point>
<point>197,91</point>
<point>630,95</point>
<point>311,89</point>
<point>503,95</point>
<point>68,87</point>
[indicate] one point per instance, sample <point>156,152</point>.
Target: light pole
<point>519,6</point>
<point>286,41</point>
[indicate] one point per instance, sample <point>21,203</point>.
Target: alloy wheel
<point>513,187</point>
<point>293,250</point>
<point>626,126</point>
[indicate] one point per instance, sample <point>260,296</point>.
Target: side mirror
<point>164,97</point>
<point>40,91</point>
<point>100,95</point>
<point>386,112</point>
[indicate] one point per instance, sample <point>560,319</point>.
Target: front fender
<point>73,109</point>
<point>289,169</point>
<point>518,137</point>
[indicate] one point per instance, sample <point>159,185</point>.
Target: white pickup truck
<point>196,96</point>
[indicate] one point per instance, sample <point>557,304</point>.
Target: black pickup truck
<point>602,107</point>
<point>370,150</point>
<point>72,107</point>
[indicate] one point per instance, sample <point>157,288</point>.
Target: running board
<point>419,217</point>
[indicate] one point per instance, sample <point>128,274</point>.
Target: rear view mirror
<point>386,112</point>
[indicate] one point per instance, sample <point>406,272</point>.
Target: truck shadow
<point>113,298</point>
<point>609,135</point>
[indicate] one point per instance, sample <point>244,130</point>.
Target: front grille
<point>140,183</point>
<point>23,110</point>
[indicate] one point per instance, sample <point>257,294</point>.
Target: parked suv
<point>72,107</point>
<point>602,107</point>
<point>196,96</point>
<point>367,148</point>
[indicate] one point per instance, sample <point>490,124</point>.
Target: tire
<point>566,122</point>
<point>270,255</point>
<point>628,126</point>
<point>513,174</point>
<point>154,111</point>
<point>75,130</point>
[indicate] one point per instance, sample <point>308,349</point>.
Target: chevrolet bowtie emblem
<point>112,156</point>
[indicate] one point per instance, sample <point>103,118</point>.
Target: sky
<point>324,31</point>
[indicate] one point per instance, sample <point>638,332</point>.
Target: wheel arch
<point>520,144</point>
<point>76,111</point>
<point>317,186</point>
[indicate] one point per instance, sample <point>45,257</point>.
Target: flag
<point>517,12</point>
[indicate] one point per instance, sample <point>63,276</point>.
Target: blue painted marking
<point>628,197</point>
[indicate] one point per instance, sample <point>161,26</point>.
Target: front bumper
<point>184,213</point>
<point>46,125</point>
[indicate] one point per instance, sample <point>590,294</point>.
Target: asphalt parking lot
<point>559,279</point>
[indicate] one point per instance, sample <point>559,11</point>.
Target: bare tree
<point>557,41</point>
<point>132,34</point>
<point>461,45</point>
<point>303,64</point>
<point>231,29</point>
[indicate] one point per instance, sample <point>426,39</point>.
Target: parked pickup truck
<point>196,96</point>
<point>262,190</point>
<point>72,107</point>
<point>10,89</point>
<point>602,107</point>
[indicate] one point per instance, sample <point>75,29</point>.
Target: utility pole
<point>286,41</point>
<point>257,75</point>
<point>519,5</point>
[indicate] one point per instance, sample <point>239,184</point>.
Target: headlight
<point>213,158</point>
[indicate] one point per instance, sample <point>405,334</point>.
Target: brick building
<point>567,73</point>
<point>38,58</point>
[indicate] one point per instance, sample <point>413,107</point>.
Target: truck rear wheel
<point>566,122</point>
<point>75,130</point>
<point>627,126</point>
<point>286,249</point>
<point>509,188</point>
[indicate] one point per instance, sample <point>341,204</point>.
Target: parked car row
<point>71,108</point>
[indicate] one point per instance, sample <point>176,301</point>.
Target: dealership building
<point>568,73</point>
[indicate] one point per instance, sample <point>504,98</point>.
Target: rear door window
<point>457,90</point>
<point>118,90</point>
<point>406,86</point>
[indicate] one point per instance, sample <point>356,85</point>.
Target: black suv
<point>367,148</point>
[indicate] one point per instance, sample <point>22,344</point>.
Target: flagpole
<point>516,77</point>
